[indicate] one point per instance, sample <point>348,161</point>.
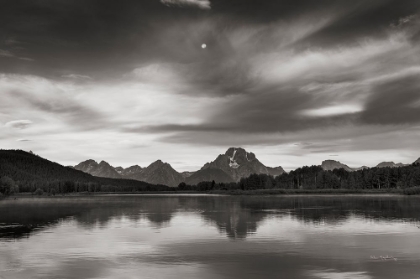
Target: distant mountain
<point>235,164</point>
<point>186,174</point>
<point>103,169</point>
<point>417,161</point>
<point>156,173</point>
<point>361,168</point>
<point>390,165</point>
<point>130,171</point>
<point>331,165</point>
<point>275,171</point>
<point>159,173</point>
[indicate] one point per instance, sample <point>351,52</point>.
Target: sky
<point>129,82</point>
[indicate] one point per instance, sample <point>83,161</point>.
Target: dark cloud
<point>269,110</point>
<point>85,37</point>
<point>6,53</point>
<point>394,102</point>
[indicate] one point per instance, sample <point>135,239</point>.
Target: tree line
<point>315,177</point>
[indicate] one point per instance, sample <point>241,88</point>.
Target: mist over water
<point>203,236</point>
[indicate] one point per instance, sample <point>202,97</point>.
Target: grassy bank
<point>412,191</point>
<point>309,191</point>
<point>408,191</point>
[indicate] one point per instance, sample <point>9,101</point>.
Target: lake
<point>206,236</point>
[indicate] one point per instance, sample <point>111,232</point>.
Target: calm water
<point>179,236</point>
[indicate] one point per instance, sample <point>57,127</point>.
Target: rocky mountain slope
<point>186,174</point>
<point>209,174</point>
<point>159,173</point>
<point>235,164</point>
<point>331,165</point>
<point>130,171</point>
<point>103,169</point>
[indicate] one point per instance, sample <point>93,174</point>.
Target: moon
<point>203,46</point>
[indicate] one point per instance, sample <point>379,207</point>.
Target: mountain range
<point>31,170</point>
<point>235,164</point>
<point>331,165</point>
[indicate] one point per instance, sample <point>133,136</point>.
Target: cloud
<point>11,41</point>
<point>6,53</point>
<point>405,20</point>
<point>76,76</point>
<point>23,140</point>
<point>49,101</point>
<point>394,102</point>
<point>202,4</point>
<point>293,91</point>
<point>332,110</point>
<point>335,274</point>
<point>26,59</point>
<point>159,73</point>
<point>19,124</point>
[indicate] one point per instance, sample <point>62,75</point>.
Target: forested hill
<point>29,172</point>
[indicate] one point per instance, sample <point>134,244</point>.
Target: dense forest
<point>21,171</point>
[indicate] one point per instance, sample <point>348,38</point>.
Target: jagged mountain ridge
<point>103,169</point>
<point>156,173</point>
<point>235,164</point>
<point>159,173</point>
<point>129,171</point>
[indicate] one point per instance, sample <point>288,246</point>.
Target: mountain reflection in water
<point>201,236</point>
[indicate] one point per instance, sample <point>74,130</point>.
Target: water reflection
<point>176,236</point>
<point>236,217</point>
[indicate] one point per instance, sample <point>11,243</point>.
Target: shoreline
<point>261,192</point>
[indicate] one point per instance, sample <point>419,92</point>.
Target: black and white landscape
<point>209,139</point>
<point>295,82</point>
